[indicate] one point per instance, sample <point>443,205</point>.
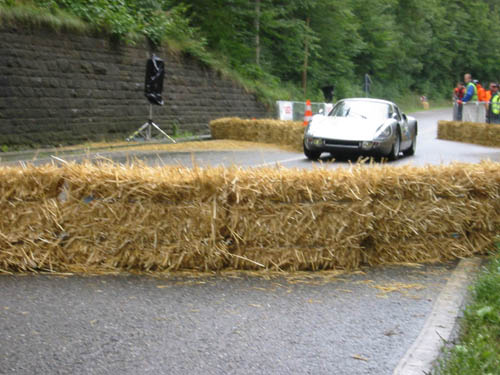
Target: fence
<point>294,111</point>
<point>470,111</point>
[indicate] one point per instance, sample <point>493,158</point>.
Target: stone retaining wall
<point>58,88</point>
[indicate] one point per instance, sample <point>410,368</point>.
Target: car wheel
<point>394,154</point>
<point>311,155</point>
<point>413,147</point>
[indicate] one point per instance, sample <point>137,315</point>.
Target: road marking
<point>297,158</point>
<point>439,326</point>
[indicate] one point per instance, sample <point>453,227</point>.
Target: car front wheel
<point>311,155</point>
<point>413,147</point>
<point>394,154</point>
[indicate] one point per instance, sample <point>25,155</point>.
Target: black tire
<point>396,147</point>
<point>311,155</point>
<point>413,147</point>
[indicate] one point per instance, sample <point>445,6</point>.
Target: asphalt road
<point>359,323</point>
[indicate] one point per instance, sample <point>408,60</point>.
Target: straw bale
<point>138,182</point>
<point>293,258</point>
<point>470,132</point>
<point>286,133</point>
<point>454,181</point>
<point>144,218</point>
<point>107,217</point>
<point>29,183</point>
<point>429,250</point>
<point>406,219</point>
<point>143,235</point>
<point>304,225</point>
<point>29,231</point>
<point>254,185</point>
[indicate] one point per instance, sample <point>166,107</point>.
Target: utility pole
<point>257,32</point>
<point>367,85</point>
<point>306,56</point>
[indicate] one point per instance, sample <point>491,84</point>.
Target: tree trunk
<point>306,56</point>
<point>257,32</point>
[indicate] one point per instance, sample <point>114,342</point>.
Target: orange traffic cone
<point>308,115</point>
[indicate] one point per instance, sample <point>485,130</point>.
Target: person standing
<point>458,94</point>
<point>483,102</point>
<point>488,92</point>
<point>488,100</point>
<point>469,100</point>
<point>494,105</point>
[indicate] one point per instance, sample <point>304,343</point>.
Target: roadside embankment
<point>110,218</point>
<point>470,132</point>
<point>64,88</point>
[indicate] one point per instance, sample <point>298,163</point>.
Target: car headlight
<point>386,133</point>
<point>313,141</point>
<point>367,145</point>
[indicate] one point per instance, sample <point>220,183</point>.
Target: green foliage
<point>276,46</point>
<point>31,16</point>
<point>478,352</point>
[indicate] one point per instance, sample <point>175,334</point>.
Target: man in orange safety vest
<point>483,105</point>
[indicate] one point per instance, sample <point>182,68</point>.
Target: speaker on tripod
<point>153,88</point>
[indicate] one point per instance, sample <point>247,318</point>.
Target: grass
<point>34,17</point>
<point>478,350</point>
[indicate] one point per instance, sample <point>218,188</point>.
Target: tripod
<point>146,129</point>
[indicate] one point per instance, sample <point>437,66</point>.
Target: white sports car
<point>363,126</point>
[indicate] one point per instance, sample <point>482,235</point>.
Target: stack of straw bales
<point>470,132</point>
<point>285,133</point>
<point>108,218</point>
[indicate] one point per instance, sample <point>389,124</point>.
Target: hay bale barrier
<point>470,132</point>
<point>110,218</point>
<point>279,132</point>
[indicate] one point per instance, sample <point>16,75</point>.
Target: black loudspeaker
<point>155,71</point>
<point>328,93</point>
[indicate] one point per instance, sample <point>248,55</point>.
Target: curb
<point>439,326</point>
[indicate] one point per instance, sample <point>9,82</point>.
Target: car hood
<point>344,128</point>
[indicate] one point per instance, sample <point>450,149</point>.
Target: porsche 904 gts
<point>362,126</point>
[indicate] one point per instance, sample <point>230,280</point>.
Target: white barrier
<point>294,111</point>
<point>470,111</point>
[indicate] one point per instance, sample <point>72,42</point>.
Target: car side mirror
<point>394,116</point>
<point>321,111</point>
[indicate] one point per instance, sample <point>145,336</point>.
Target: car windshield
<point>360,108</point>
